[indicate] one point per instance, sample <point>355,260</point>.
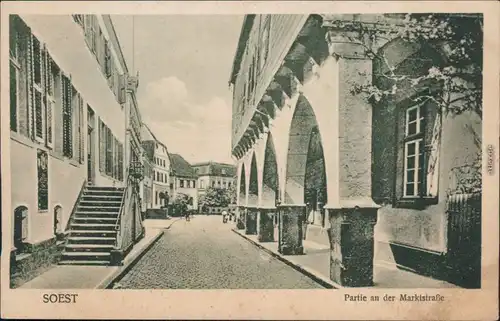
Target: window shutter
<point>81,139</point>
<point>23,96</point>
<point>107,59</point>
<point>122,89</point>
<point>102,143</point>
<point>67,118</point>
<point>31,98</point>
<point>50,120</point>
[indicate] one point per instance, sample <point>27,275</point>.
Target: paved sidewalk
<point>90,277</point>
<point>316,264</point>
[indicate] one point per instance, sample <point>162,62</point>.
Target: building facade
<point>148,150</point>
<point>161,168</point>
<point>183,180</point>
<point>317,160</point>
<point>216,175</point>
<point>68,120</point>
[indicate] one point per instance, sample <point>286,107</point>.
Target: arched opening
<point>58,220</point>
<point>20,228</point>
<point>270,186</point>
<point>305,187</point>
<point>315,181</point>
<point>243,187</point>
<point>252,217</point>
<point>253,184</point>
<point>304,137</point>
<point>268,219</point>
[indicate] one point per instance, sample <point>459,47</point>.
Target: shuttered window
<point>107,59</point>
<point>39,115</point>
<point>81,140</point>
<point>102,146</point>
<point>51,76</point>
<point>67,118</point>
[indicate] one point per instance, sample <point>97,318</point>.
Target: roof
<point>180,167</point>
<point>240,49</point>
<point>214,169</point>
<point>146,133</point>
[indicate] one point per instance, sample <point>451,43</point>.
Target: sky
<point>184,63</point>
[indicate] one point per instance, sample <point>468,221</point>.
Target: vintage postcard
<point>250,160</point>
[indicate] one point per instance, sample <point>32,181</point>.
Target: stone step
<point>108,240</point>
<point>87,226</point>
<point>88,247</point>
<point>104,188</point>
<point>111,219</point>
<point>83,262</point>
<point>86,208</point>
<point>91,255</point>
<point>101,214</point>
<point>102,198</point>
<point>90,233</point>
<point>101,204</point>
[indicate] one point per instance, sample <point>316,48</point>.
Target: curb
<point>315,276</point>
<point>111,279</point>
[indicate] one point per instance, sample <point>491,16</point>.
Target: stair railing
<point>118,242</point>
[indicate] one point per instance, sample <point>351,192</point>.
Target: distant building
<point>212,174</point>
<point>148,146</point>
<point>159,157</point>
<point>183,179</point>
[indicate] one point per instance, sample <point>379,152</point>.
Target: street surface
<point>205,254</point>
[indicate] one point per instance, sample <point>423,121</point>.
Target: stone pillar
<point>351,244</point>
<point>240,218</point>
<point>352,212</point>
<point>266,224</point>
<point>290,229</point>
<point>251,221</point>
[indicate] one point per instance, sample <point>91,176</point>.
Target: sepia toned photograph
<point>245,151</point>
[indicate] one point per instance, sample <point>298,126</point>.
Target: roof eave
<point>242,40</point>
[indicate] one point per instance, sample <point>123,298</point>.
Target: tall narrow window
<point>52,76</point>
<point>37,89</point>
<point>67,118</point>
<point>414,153</point>
<point>15,67</point>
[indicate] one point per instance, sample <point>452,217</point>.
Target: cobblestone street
<point>206,254</point>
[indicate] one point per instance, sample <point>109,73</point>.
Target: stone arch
<point>253,183</point>
<point>58,218</point>
<point>242,194</point>
<point>301,128</point>
<point>407,58</point>
<point>270,175</point>
<point>20,227</point>
<point>315,184</point>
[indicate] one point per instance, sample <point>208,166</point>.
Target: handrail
<point>75,206</point>
<point>122,209</point>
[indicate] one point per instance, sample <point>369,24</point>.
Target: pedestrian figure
<point>224,216</point>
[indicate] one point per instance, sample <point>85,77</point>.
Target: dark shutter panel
<point>81,139</point>
<point>101,146</point>
<point>23,96</point>
<point>31,98</point>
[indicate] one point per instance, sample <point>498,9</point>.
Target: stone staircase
<point>92,233</point>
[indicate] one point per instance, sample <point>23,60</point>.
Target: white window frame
<point>418,143</point>
<point>418,120</point>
